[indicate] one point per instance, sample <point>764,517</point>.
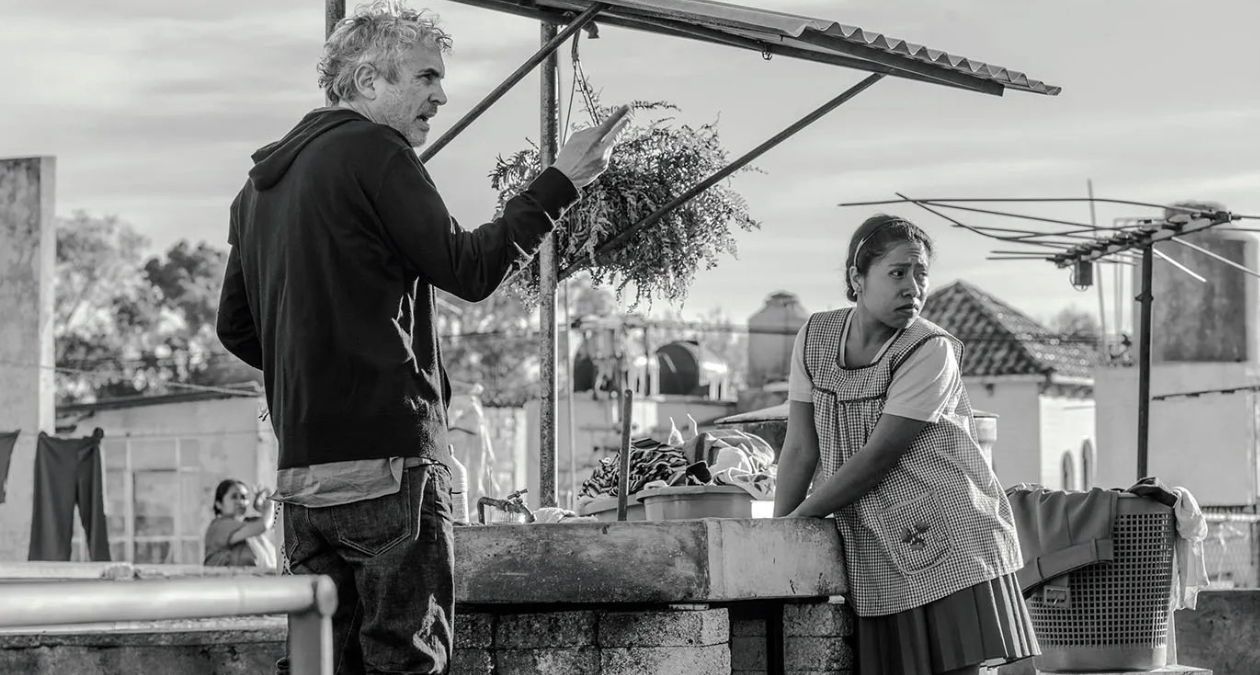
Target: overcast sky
<point>153,107</point>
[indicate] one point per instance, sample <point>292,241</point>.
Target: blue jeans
<point>392,560</point>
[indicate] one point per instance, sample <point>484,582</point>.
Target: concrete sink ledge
<point>680,561</point>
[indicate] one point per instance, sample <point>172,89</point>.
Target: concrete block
<point>712,660</point>
<point>1166,670</point>
<point>545,630</point>
<point>581,661</point>
<point>472,662</point>
<point>747,619</point>
<point>664,629</point>
<point>1220,633</point>
<point>473,630</point>
<point>748,628</point>
<point>683,561</point>
<point>748,655</point>
<point>817,619</point>
<point>1024,667</point>
<point>817,653</point>
<point>168,660</point>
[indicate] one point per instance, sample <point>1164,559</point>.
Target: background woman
<point>235,540</point>
<point>880,421</point>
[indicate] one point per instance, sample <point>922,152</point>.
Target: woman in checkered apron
<point>880,421</point>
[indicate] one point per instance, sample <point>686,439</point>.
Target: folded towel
<point>1190,574</point>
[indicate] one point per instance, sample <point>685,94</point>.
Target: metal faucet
<point>513,503</point>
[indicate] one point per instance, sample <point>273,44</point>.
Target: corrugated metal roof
<point>790,35</point>
<point>1002,340</point>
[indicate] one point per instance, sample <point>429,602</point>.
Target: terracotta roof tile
<point>1002,340</point>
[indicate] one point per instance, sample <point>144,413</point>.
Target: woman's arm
<point>919,395</point>
<point>888,442</point>
<point>256,526</point>
<point>798,460</point>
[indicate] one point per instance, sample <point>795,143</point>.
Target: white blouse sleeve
<point>800,385</point>
<point>923,386</point>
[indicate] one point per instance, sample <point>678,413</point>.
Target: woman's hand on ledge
<point>799,513</point>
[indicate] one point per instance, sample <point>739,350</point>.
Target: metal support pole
<point>623,461</point>
<point>548,147</point>
<point>625,236</point>
<point>1103,350</point>
<point>570,435</point>
<point>334,11</point>
<point>1144,362</point>
<point>546,52</point>
<point>310,640</point>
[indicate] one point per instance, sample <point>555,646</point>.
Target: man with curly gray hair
<point>338,240</point>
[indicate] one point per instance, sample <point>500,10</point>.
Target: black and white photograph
<point>630,337</point>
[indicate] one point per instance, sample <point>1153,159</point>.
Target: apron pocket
<point>916,533</point>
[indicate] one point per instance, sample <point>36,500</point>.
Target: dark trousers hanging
<point>68,473</point>
<point>8,439</point>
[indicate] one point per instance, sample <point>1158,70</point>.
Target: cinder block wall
<point>210,647</point>
<point>676,640</point>
<point>817,640</point>
<point>667,642</point>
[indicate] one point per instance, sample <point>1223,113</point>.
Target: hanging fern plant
<point>651,164</point>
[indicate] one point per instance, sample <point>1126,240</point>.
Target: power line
<point>1196,394</point>
<point>180,385</point>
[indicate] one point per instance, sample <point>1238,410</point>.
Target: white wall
<point>1208,444</point>
<point>1066,424</point>
<point>1017,452</point>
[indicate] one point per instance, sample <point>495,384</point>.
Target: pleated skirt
<point>986,625</point>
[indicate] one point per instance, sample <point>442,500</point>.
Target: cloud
<point>153,108</point>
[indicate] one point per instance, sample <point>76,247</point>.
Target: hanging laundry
<point>8,439</point>
<point>68,473</point>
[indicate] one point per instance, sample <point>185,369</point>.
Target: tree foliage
<point>653,163</point>
<point>125,325</point>
<point>1076,322</point>
<point>495,342</point>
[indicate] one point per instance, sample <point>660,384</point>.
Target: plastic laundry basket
<point>1114,616</point>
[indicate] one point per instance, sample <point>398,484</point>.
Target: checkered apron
<point>939,522</point>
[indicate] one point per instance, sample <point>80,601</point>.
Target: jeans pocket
<point>374,526</point>
<point>916,533</point>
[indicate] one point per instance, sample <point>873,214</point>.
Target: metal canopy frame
<point>767,32</point>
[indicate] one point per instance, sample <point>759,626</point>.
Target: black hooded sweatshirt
<point>338,240</point>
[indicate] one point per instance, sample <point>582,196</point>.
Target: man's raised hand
<point>585,156</point>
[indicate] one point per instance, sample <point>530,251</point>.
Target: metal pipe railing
<point>309,601</point>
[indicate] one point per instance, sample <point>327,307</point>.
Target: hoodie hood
<point>273,160</point>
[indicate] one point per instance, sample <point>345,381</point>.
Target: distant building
<point>771,332</point>
<point>1205,412</point>
<point>1039,384</point>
